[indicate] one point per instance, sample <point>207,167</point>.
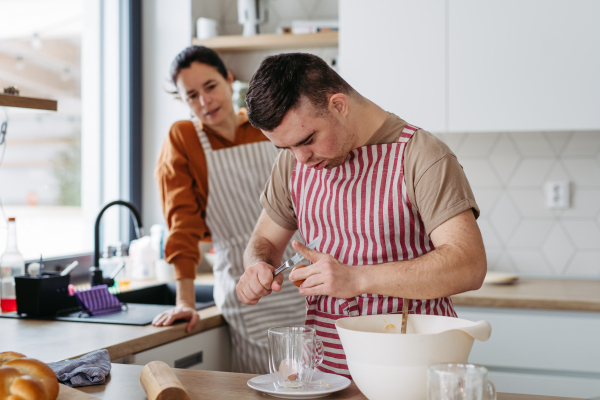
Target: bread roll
<point>7,376</point>
<point>26,378</point>
<point>9,356</point>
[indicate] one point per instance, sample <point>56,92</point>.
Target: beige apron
<point>236,178</point>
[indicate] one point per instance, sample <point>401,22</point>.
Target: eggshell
<point>300,282</point>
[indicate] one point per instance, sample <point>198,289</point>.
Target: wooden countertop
<point>53,341</point>
<point>57,340</point>
<point>124,383</point>
<point>536,293</point>
<point>532,293</point>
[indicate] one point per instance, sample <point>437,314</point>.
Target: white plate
<point>264,383</point>
<point>500,278</point>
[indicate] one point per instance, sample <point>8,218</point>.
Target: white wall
<point>167,29</point>
<point>507,172</point>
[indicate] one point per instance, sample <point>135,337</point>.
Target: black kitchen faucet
<point>96,277</point>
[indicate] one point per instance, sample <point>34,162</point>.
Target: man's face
<point>317,138</point>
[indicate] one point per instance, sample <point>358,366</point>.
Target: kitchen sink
<point>165,294</point>
<point>141,306</point>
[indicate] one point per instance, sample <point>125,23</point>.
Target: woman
<point>210,173</point>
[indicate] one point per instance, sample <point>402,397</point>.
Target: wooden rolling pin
<point>160,383</point>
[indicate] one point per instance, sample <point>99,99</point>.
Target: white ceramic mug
<point>459,382</point>
<point>294,353</point>
<point>165,272</point>
<point>206,28</point>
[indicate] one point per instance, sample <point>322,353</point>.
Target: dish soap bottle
<point>11,265</point>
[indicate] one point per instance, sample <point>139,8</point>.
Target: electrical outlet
<point>557,194</point>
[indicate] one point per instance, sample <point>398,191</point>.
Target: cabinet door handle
<point>189,361</point>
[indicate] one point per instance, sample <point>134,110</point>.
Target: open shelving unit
<point>269,41</point>
<point>7,100</point>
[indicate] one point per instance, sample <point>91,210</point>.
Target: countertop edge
<point>526,303</point>
<point>209,318</point>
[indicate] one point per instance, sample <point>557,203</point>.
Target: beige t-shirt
<point>435,182</point>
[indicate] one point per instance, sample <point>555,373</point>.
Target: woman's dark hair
<point>282,81</point>
<point>200,54</point>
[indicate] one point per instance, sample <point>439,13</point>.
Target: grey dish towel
<point>91,369</point>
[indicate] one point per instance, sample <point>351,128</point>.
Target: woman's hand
<point>184,312</point>
<point>185,308</point>
<point>326,275</point>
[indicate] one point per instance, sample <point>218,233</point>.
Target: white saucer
<point>264,383</point>
<point>500,278</point>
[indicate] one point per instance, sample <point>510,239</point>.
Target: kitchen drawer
<point>209,350</point>
<point>538,339</point>
<point>546,384</point>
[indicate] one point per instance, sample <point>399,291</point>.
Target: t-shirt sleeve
<point>440,189</point>
<point>276,198</point>
<point>177,186</point>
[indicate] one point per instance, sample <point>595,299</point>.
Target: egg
<point>300,282</point>
<point>289,369</point>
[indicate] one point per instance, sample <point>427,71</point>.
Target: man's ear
<point>338,104</point>
<point>230,78</point>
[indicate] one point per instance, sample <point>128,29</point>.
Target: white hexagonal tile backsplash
<point>508,172</point>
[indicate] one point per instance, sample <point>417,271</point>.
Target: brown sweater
<point>182,177</point>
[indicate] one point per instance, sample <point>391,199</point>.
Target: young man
<point>393,208</point>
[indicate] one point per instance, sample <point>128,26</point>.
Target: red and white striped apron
<point>363,214</point>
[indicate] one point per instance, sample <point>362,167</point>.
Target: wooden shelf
<point>269,42</point>
<point>7,100</point>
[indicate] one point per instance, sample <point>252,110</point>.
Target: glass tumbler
<point>459,382</point>
<point>294,353</point>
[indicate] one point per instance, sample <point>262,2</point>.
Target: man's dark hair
<point>200,54</point>
<point>283,81</point>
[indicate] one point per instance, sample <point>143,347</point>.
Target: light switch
<point>557,194</point>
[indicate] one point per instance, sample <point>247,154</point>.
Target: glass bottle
<point>123,278</point>
<point>11,265</point>
<point>107,262</point>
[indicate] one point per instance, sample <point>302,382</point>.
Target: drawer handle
<point>189,361</point>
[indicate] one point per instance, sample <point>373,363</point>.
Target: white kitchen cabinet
<point>209,350</point>
<point>522,65</point>
<point>476,66</point>
<point>393,53</point>
<point>541,352</point>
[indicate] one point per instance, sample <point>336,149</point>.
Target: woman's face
<point>206,92</point>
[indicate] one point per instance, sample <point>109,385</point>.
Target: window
<point>60,167</point>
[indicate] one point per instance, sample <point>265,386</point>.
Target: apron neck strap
<point>202,136</point>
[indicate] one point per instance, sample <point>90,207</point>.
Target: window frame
<point>125,62</point>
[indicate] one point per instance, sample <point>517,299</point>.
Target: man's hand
<point>264,250</point>
<point>258,282</point>
<point>326,276</point>
<point>179,312</point>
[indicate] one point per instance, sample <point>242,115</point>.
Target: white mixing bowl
<point>388,365</point>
